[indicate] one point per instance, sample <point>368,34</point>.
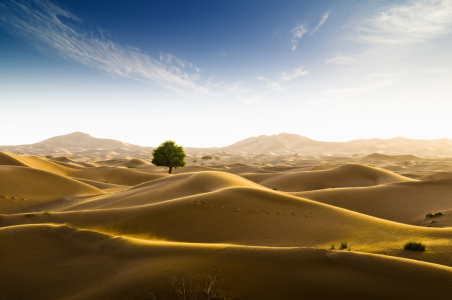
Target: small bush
<point>332,246</point>
<point>29,215</point>
<point>50,156</point>
<point>275,189</point>
<point>435,214</point>
<point>195,161</point>
<point>46,212</point>
<point>193,288</point>
<point>132,167</point>
<point>414,246</point>
<point>206,157</point>
<point>217,158</point>
<point>343,245</point>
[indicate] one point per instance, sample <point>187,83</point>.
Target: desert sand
<point>86,218</point>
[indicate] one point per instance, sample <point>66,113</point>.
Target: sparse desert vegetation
<point>434,214</point>
<point>169,155</point>
<point>132,167</point>
<point>414,246</point>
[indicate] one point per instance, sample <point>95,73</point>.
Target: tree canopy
<point>169,155</point>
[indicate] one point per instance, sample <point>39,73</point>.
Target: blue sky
<point>209,73</point>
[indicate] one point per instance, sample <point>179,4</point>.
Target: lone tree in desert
<point>169,155</point>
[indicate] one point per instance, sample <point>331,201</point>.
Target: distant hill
<point>80,140</point>
<point>285,143</point>
<point>278,144</point>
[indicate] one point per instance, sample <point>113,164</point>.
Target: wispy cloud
<point>275,86</point>
<point>322,21</point>
<point>171,59</point>
<point>340,59</point>
<point>416,21</point>
<point>343,93</point>
<point>297,73</point>
<point>49,28</point>
<point>297,32</point>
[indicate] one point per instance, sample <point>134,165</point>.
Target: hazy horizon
<point>209,74</point>
<point>100,137</point>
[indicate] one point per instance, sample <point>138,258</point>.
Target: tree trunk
<point>170,168</point>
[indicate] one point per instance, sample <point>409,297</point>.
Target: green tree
<point>169,155</point>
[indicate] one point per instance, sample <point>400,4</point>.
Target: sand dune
<point>34,162</point>
<point>437,176</point>
<point>182,185</point>
<point>405,202</point>
<point>116,226</point>
<point>381,157</point>
<point>322,167</point>
<point>126,162</point>
<point>190,169</point>
<point>254,217</point>
<point>107,187</point>
<point>26,189</point>
<point>87,265</point>
<point>352,175</point>
<point>120,176</point>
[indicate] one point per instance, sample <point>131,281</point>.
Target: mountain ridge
<point>278,144</point>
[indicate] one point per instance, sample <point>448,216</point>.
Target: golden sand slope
<point>253,216</point>
<point>190,169</point>
<point>33,162</point>
<point>25,189</point>
<point>121,176</point>
<point>381,157</point>
<point>405,202</point>
<point>107,187</point>
<point>126,162</point>
<point>437,176</point>
<point>177,186</point>
<point>65,263</point>
<point>351,175</point>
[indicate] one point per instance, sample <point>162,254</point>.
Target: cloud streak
<point>340,59</point>
<point>275,86</point>
<point>297,32</point>
<point>297,73</point>
<point>322,21</point>
<point>416,21</point>
<point>50,28</point>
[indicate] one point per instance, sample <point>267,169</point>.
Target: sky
<point>209,73</point>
